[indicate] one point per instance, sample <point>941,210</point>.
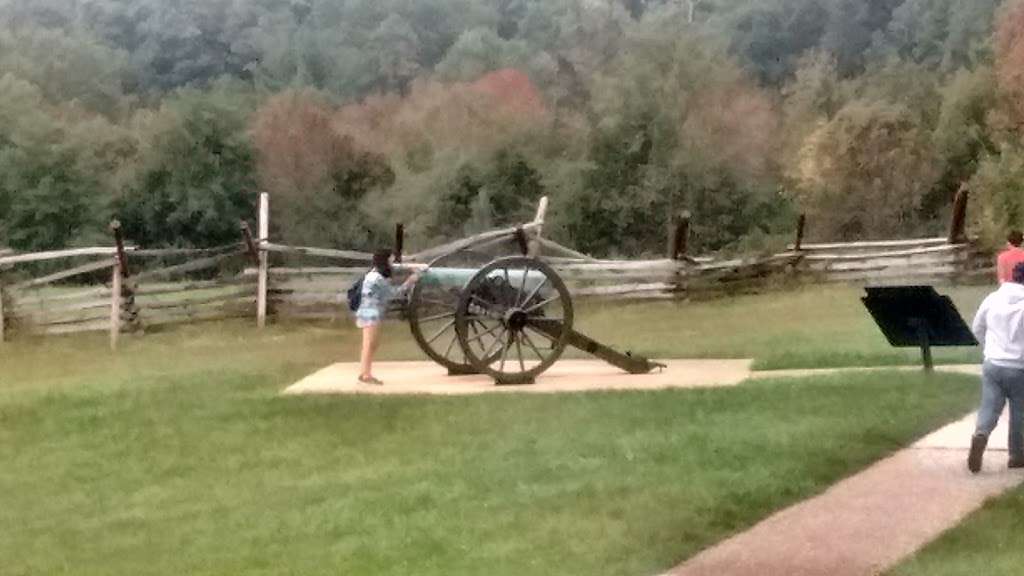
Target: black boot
<point>978,443</point>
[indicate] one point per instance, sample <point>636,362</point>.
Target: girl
<point>376,294</point>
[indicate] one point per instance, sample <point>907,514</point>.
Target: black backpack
<point>355,294</point>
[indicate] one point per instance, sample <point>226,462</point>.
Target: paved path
<point>868,523</point>
<point>564,376</point>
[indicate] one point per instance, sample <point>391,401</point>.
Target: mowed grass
<point>989,542</point>
<point>810,327</point>
<point>208,471</point>
<point>178,456</point>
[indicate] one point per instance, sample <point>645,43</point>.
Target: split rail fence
<point>127,289</point>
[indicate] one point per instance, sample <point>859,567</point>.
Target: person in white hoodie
<point>999,324</point>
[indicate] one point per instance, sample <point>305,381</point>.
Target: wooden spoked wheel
<point>432,306</point>
<point>513,319</point>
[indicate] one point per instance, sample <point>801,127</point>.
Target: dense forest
<point>457,115</point>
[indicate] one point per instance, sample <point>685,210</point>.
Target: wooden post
<point>680,237</point>
<point>399,242</point>
<point>129,311</point>
<point>1,314</point>
<point>801,222</point>
<point>261,288</point>
<point>524,246</point>
<point>254,253</point>
<point>122,260</point>
<point>692,10</point>
<point>115,305</point>
<point>959,220</point>
<point>533,249</point>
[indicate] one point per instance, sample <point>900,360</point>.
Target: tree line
<point>453,116</point>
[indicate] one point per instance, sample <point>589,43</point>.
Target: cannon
<point>510,318</point>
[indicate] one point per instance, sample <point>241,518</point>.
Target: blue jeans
<point>999,384</point>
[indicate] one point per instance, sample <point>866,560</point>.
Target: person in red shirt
<point>1012,255</point>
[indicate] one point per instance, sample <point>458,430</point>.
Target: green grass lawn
<point>813,327</point>
<point>178,456</point>
<point>990,542</point>
<point>205,470</point>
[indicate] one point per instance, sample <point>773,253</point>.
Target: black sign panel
<point>903,312</point>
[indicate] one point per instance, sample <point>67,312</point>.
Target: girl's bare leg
<point>371,341</point>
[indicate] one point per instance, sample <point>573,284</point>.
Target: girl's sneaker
<point>370,380</point>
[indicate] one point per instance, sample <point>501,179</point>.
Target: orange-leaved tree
<point>316,175</point>
<point>1009,45</point>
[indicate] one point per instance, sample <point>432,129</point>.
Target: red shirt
<point>1008,259</point>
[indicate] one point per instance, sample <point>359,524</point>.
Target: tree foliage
<point>865,172</point>
<point>453,115</point>
<point>316,175</point>
<point>49,197</point>
<point>1010,59</point>
<point>195,176</point>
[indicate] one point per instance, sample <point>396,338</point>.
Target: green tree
<point>942,35</point>
<point>479,51</point>
<point>501,191</point>
<point>682,128</point>
<point>998,194</point>
<point>196,173</point>
<point>851,29</point>
<point>865,173</point>
<point>48,197</point>
<point>772,36</point>
<point>962,136</point>
<point>68,67</point>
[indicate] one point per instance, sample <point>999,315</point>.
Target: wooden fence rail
<point>178,285</point>
<point>59,303</point>
<point>167,295</point>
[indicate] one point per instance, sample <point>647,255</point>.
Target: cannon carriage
<point>509,317</point>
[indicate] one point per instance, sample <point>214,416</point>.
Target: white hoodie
<point>1000,325</point>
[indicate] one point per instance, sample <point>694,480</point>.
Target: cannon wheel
<point>431,314</point>
<point>509,327</point>
<point>432,323</point>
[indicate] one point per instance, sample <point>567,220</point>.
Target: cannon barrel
<point>459,277</point>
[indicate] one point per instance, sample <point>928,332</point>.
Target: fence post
<point>115,304</point>
<point>399,242</point>
<point>542,212</point>
<point>250,245</point>
<point>127,285</point>
<point>2,325</point>
<point>261,288</point>
<point>679,237</point>
<point>959,219</point>
<point>801,223</point>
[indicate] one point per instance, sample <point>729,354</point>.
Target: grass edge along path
<point>990,541</point>
<point>867,522</point>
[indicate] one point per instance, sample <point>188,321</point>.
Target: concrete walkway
<point>866,524</point>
